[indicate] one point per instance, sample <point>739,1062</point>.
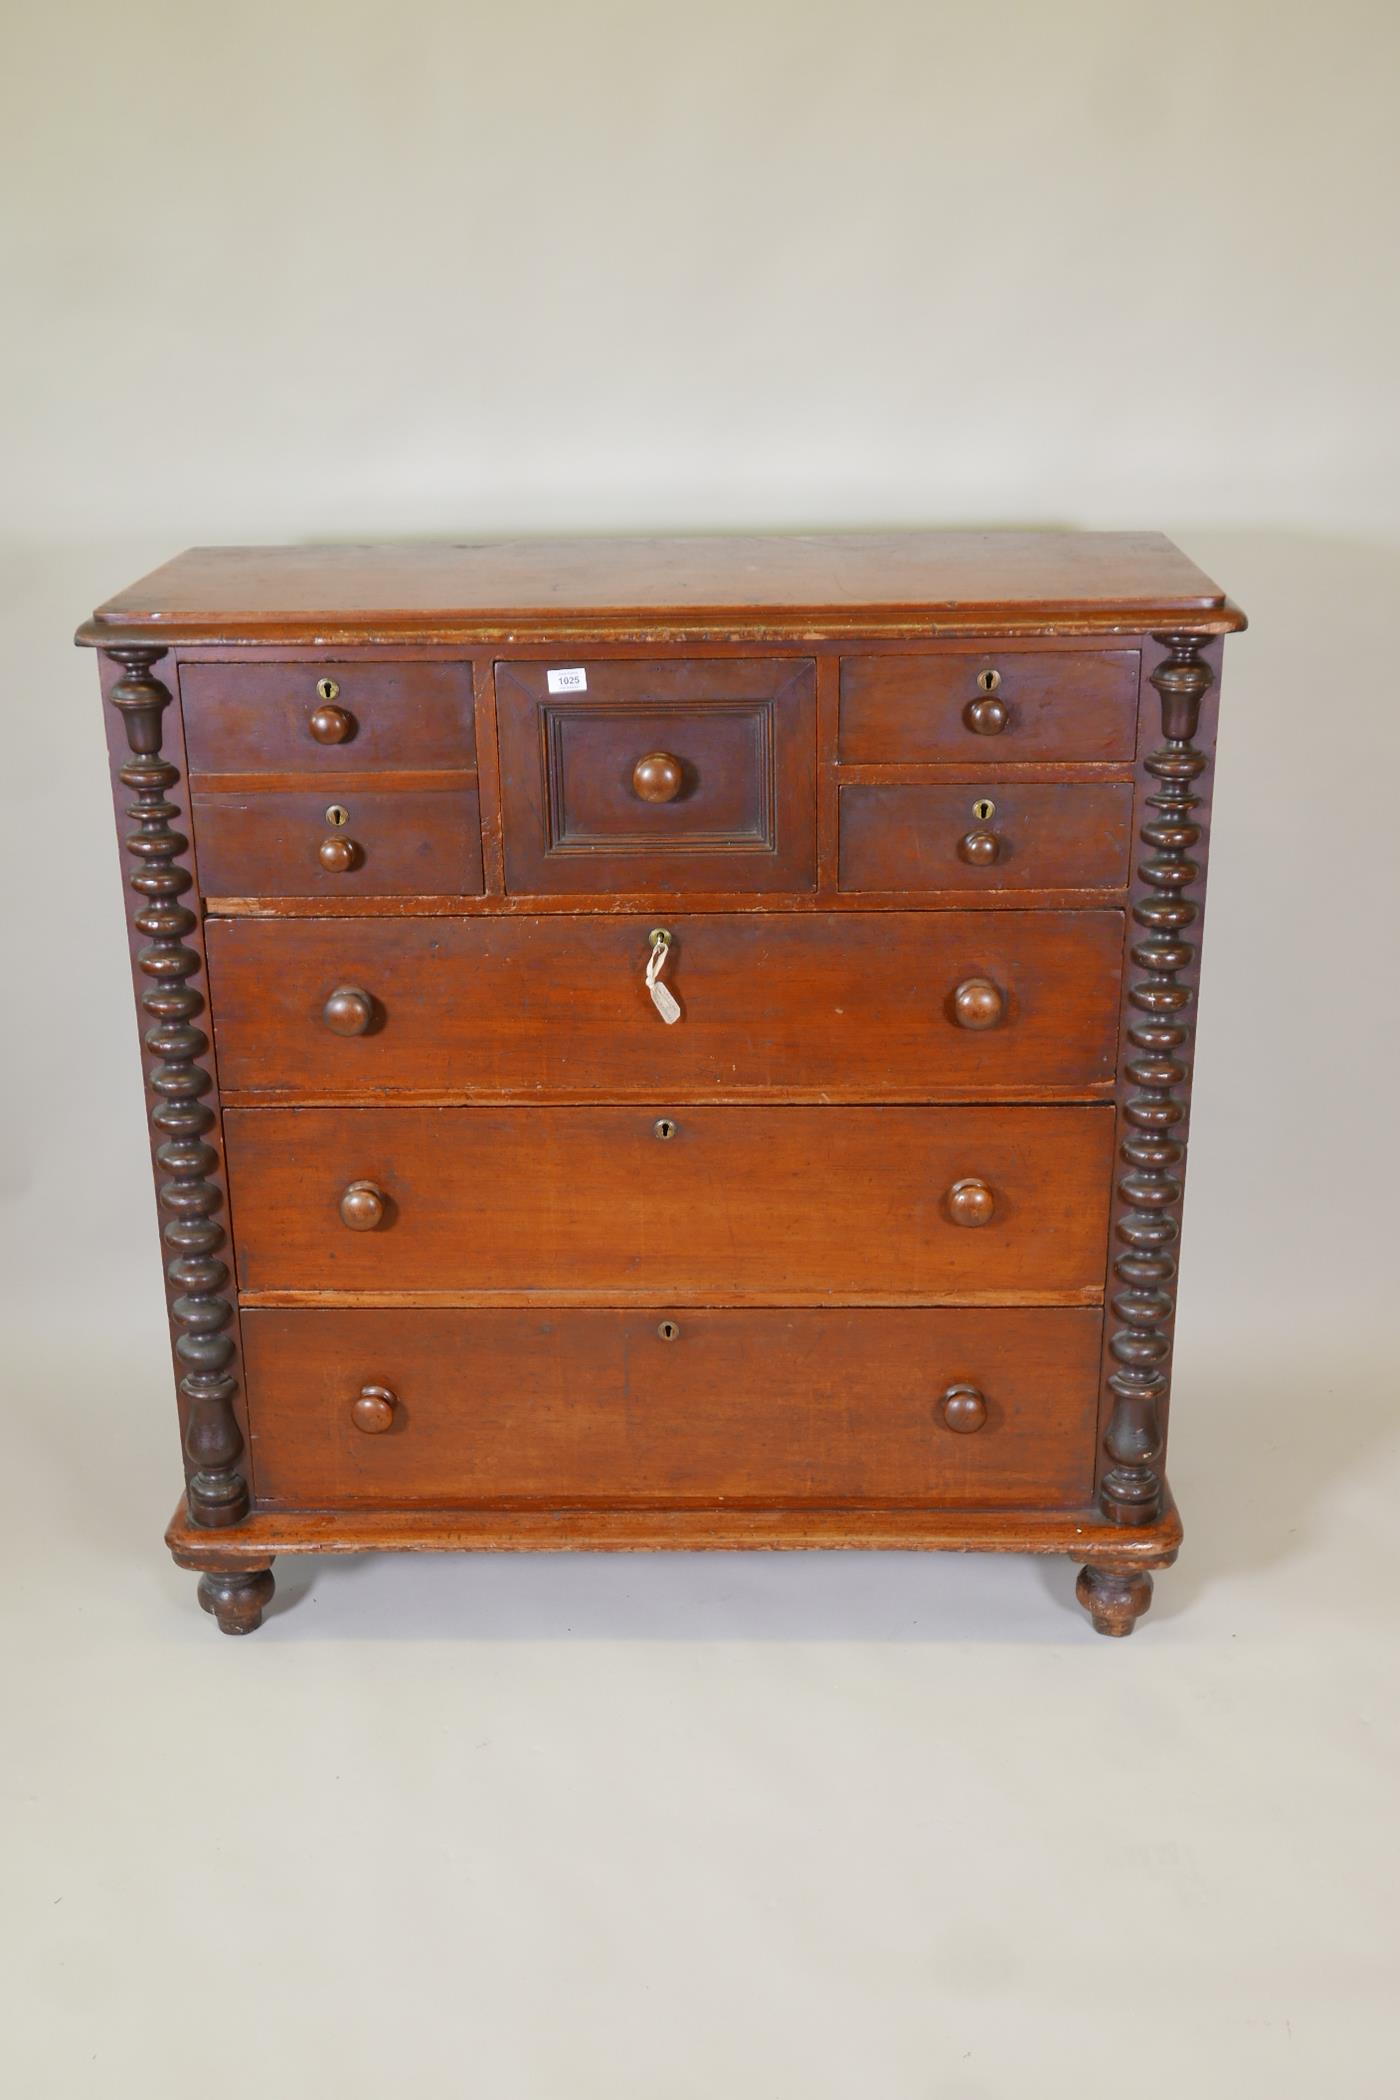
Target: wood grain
<point>256,715</point>
<point>815,583</point>
<point>1056,705</point>
<point>912,838</point>
<point>763,1407</point>
<point>740,735</point>
<point>822,1265</point>
<point>267,842</point>
<point>1084,1534</point>
<point>739,1200</point>
<point>832,1008</point>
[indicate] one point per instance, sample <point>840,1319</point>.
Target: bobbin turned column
<point>1153,1108</point>
<point>188,1189</point>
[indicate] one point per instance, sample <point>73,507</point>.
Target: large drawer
<point>360,1407</point>
<point>891,1006</point>
<point>675,775</point>
<point>953,706</point>
<point>1000,835</point>
<point>359,716</point>
<point>703,1204</point>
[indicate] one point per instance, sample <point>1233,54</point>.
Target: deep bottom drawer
<point>763,1408</point>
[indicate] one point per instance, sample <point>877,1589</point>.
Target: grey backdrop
<point>756,1827</point>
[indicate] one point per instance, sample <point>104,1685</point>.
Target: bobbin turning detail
<point>194,1233</point>
<point>1152,1146</point>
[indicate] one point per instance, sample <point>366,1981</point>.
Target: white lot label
<point>661,996</point>
<point>567,681</point>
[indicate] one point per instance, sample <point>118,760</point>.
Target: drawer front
<point>327,717</point>
<point>278,843</point>
<point>895,1006</point>
<point>1073,836</point>
<point>764,1407</point>
<point>685,775</point>
<point>1033,704</point>
<point>718,1204</point>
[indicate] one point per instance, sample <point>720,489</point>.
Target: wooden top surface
<point>808,585</point>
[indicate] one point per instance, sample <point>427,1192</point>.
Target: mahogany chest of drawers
<point>669,1043</point>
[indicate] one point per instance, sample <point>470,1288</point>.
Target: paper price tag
<point>662,998</point>
<point>575,681</point>
<point>664,1002</point>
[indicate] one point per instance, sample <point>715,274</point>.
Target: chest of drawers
<point>670,1043</point>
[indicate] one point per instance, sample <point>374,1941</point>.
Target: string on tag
<point>661,996</point>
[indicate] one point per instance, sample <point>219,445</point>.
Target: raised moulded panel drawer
<point>902,1006</point>
<point>1043,837</point>
<point>358,716</point>
<point>759,1407</point>
<point>693,775</point>
<point>956,706</point>
<point>711,1204</point>
<point>404,843</point>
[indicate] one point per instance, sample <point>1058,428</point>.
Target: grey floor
<point>564,1827</point>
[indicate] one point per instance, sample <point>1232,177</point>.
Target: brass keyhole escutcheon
<point>983,809</point>
<point>337,814</point>
<point>669,1331</point>
<point>326,689</point>
<point>989,680</point>
<point>663,1127</point>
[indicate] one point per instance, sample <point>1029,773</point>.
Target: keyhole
<point>989,680</point>
<point>984,809</point>
<point>669,1331</point>
<point>327,688</point>
<point>664,1127</point>
<point>337,814</point>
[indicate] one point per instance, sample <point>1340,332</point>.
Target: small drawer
<point>304,842</point>
<point>1001,836</point>
<point>352,717</point>
<point>671,1407</point>
<point>662,1202</point>
<point>832,1006</point>
<point>674,776</point>
<point>959,706</point>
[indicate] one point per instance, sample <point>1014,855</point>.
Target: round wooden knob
<point>331,725</point>
<point>362,1206</point>
<point>657,777</point>
<point>979,848</point>
<point>964,1409</point>
<point>977,1003</point>
<point>986,717</point>
<point>337,854</point>
<point>348,1011</point>
<point>971,1202</point>
<point>373,1411</point>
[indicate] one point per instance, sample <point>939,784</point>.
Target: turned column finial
<point>189,1193</point>
<point>1182,682</point>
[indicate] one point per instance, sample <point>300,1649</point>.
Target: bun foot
<point>1115,1598</point>
<point>237,1600</point>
